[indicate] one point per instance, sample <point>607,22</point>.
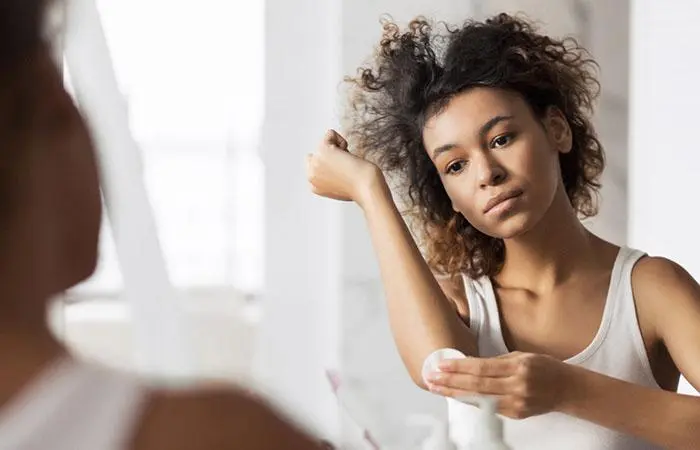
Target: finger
<point>464,396</point>
<point>483,367</point>
<point>514,408</point>
<point>471,383</point>
<point>457,394</point>
<point>341,141</point>
<point>335,139</point>
<point>330,137</point>
<point>510,355</point>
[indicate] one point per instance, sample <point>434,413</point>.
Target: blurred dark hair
<point>21,29</point>
<point>417,71</point>
<point>21,41</point>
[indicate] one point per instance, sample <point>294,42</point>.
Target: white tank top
<point>73,406</point>
<point>617,350</point>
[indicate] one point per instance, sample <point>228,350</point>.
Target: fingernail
<point>434,389</point>
<point>435,376</point>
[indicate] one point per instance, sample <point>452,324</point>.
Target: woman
<point>487,127</point>
<point>50,217</point>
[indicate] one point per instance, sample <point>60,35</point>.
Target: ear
<point>558,130</point>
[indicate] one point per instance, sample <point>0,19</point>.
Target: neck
<point>26,349</point>
<point>26,343</point>
<point>25,332</point>
<point>548,255</point>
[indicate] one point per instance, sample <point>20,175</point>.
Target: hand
<point>525,384</point>
<point>336,173</point>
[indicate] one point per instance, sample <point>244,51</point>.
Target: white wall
<point>299,337</point>
<point>664,159</point>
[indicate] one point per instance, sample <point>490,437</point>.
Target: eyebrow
<point>483,131</point>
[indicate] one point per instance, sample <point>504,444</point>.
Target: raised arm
<point>422,318</point>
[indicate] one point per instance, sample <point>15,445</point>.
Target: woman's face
<point>498,162</point>
<point>60,198</point>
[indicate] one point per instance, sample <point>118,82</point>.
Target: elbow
<point>417,378</point>
<point>414,367</point>
<point>418,369</point>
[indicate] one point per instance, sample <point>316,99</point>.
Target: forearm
<point>665,418</point>
<point>421,317</point>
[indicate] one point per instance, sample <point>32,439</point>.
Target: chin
<point>80,267</point>
<point>86,268</point>
<point>510,227</point>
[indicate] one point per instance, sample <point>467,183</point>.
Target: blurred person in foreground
<point>50,217</point>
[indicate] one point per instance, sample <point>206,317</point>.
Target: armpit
<point>453,288</point>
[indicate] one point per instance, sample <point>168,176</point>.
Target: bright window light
<point>193,76</point>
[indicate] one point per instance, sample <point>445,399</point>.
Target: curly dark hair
<point>413,76</point>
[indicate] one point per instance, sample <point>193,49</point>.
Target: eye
<point>501,141</point>
<point>456,167</point>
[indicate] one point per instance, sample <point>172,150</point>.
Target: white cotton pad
<point>431,365</point>
<point>431,362</point>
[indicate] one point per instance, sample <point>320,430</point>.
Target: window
<point>192,75</point>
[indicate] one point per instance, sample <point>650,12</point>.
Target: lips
<point>500,198</point>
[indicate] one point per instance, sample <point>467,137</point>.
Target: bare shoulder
<point>655,275</point>
<point>215,419</point>
<point>662,286</point>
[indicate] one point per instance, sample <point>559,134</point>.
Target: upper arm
<point>217,419</point>
<point>673,299</point>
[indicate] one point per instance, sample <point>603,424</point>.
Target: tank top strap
<point>628,331</point>
<point>484,317</point>
<point>478,308</point>
<point>624,308</point>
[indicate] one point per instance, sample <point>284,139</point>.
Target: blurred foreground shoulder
<point>216,419</point>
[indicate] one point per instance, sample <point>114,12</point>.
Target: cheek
<point>534,163</point>
<point>79,203</point>
<point>82,190</point>
<point>543,174</point>
<point>463,199</point>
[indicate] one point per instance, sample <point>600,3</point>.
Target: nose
<point>490,172</point>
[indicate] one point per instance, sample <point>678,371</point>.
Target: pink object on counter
<point>336,385</point>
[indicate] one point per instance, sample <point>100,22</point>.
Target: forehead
<point>466,113</point>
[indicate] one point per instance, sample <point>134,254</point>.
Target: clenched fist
<point>336,173</point>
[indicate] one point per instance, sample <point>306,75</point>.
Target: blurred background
<point>236,270</point>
